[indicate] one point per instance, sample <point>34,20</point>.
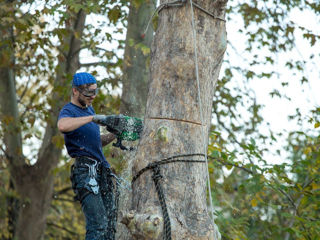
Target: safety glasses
<point>88,92</point>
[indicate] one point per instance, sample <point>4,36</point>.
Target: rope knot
<point>156,173</point>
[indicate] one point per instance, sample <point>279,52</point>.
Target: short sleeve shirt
<point>84,141</point>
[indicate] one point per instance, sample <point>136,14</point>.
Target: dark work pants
<point>99,209</point>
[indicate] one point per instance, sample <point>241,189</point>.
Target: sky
<point>305,97</point>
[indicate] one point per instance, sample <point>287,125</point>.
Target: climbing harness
<point>156,177</point>
<point>92,182</point>
<point>121,182</point>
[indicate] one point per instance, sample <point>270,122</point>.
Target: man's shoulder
<point>91,110</point>
<point>69,105</point>
<point>66,110</point>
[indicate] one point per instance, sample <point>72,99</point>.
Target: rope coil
<point>156,177</point>
<point>167,160</point>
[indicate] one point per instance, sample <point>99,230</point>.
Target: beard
<point>82,102</point>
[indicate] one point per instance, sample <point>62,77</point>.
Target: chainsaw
<point>124,127</point>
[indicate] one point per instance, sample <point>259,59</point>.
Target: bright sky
<point>305,97</point>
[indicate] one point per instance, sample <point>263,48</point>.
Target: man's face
<point>86,95</point>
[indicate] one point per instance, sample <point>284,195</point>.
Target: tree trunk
<point>136,65</point>
<point>173,125</point>
<point>134,91</point>
<point>34,184</point>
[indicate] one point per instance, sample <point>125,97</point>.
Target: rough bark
<point>172,124</point>
<point>134,91</point>
<point>34,184</point>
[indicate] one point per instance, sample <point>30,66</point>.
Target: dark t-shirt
<point>84,141</point>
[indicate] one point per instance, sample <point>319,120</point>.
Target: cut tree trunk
<point>173,125</point>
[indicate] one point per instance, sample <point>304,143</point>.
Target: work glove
<point>111,122</point>
<point>100,119</point>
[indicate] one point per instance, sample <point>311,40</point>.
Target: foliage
<point>255,200</point>
<point>269,201</point>
<point>65,220</point>
<point>40,30</point>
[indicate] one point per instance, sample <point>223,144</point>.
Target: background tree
<point>134,90</point>
<point>34,183</point>
<point>258,199</point>
<point>53,55</point>
<point>136,58</point>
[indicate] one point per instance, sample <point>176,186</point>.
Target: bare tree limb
<point>62,228</point>
<point>104,64</point>
<point>24,90</point>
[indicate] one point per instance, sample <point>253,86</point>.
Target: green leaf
<point>114,14</point>
<point>145,50</point>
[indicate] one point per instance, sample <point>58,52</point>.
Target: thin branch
<point>89,47</point>
<point>62,191</point>
<point>105,64</point>
<point>24,90</point>
<point>5,153</point>
<point>61,227</point>
<point>27,106</point>
<point>231,164</point>
<point>102,49</point>
<point>59,49</point>
<point>291,201</point>
<point>63,199</point>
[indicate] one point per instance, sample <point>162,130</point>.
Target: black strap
<point>155,167</point>
<point>167,223</point>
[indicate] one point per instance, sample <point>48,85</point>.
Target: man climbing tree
<point>186,57</point>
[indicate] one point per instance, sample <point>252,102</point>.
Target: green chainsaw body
<point>124,127</point>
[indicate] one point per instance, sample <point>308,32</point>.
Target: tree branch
<point>24,90</point>
<point>231,164</point>
<point>63,228</point>
<point>104,64</point>
<point>62,191</point>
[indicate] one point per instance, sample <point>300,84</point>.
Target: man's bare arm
<point>107,138</point>
<point>69,124</point>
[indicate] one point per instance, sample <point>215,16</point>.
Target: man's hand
<point>111,123</point>
<point>100,119</point>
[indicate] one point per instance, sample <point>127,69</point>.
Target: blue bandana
<point>83,78</point>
